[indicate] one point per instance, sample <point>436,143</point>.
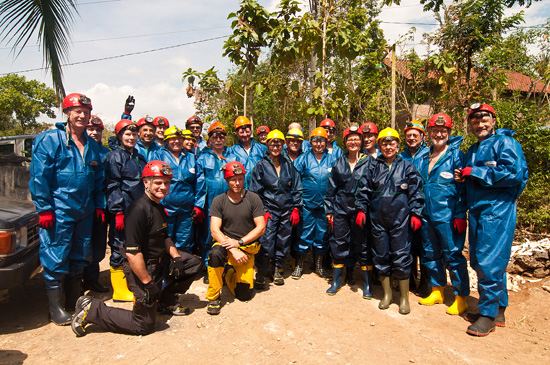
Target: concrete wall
<point>14,181</point>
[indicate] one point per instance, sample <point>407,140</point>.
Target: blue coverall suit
<point>250,159</point>
<point>99,237</point>
<point>70,185</point>
<point>391,196</point>
<point>123,185</point>
<point>280,194</point>
<point>349,242</point>
<point>499,175</point>
<point>445,201</point>
<point>312,229</point>
<point>142,150</point>
<point>181,200</point>
<point>210,184</point>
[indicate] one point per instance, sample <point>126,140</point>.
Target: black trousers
<point>141,319</point>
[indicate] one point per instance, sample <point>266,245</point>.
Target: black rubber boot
<point>319,269</point>
<point>404,307</point>
<point>423,288</point>
<point>336,281</point>
<point>259,281</point>
<point>367,275</point>
<point>482,327</point>
<point>349,276</point>
<point>500,320</point>
<point>386,285</point>
<point>298,266</point>
<point>94,286</point>
<point>57,314</point>
<point>73,291</point>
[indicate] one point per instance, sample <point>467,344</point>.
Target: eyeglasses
<point>330,129</point>
<point>198,127</point>
<point>317,140</point>
<point>274,143</point>
<point>479,115</point>
<point>217,136</point>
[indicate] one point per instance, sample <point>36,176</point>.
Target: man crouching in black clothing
<point>151,262</point>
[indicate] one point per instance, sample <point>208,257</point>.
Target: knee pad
<point>217,257</point>
<point>243,292</point>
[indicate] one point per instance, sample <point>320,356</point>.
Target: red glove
<point>295,217</point>
<point>100,214</point>
<point>267,215</point>
<point>46,219</point>
<point>198,215</point>
<point>460,225</point>
<point>466,171</point>
<point>361,218</point>
<point>415,222</point>
<point>119,218</point>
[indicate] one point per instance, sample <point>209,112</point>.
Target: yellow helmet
<point>172,132</point>
<point>295,133</point>
<point>188,134</point>
<point>388,133</point>
<point>319,132</point>
<point>275,134</point>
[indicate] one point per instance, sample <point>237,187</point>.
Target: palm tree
<point>53,19</point>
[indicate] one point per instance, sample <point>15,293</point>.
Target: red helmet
<point>328,123</point>
<point>76,99</point>
<point>161,121</point>
<point>123,124</point>
<point>262,129</point>
<point>157,168</point>
<point>143,121</point>
<point>440,120</point>
<point>233,168</point>
<point>478,107</point>
<point>193,119</point>
<point>95,121</point>
<point>353,129</point>
<point>369,127</point>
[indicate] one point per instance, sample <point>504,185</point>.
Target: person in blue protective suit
<point>314,168</point>
<point>391,192</point>
<point>246,151</point>
<point>210,183</point>
<point>194,124</point>
<point>189,141</point>
<point>123,185</point>
<point>348,242</point>
<point>416,149</point>
<point>370,134</point>
<point>66,181</point>
<point>278,184</point>
<point>90,277</point>
<point>445,216</point>
<point>161,125</point>
<point>332,147</point>
<point>262,133</point>
<point>306,146</point>
<point>494,175</point>
<point>180,203</point>
<point>294,142</point>
<point>146,143</point>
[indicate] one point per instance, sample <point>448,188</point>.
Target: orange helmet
<point>440,120</point>
<point>319,132</point>
<point>233,168</point>
<point>95,121</point>
<point>216,127</point>
<point>328,123</point>
<point>161,121</point>
<point>76,99</point>
<point>369,127</point>
<point>241,122</point>
<point>157,168</point>
<point>123,124</point>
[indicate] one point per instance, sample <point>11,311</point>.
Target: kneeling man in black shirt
<point>236,223</point>
<point>155,270</point>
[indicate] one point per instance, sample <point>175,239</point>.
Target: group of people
<point>175,203</point>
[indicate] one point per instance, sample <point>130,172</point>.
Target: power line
<point>99,2</point>
<point>122,55</point>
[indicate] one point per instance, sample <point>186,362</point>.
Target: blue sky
<point>107,28</point>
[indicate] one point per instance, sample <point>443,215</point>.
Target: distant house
<point>517,82</point>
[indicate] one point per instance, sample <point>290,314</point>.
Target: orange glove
<point>46,219</point>
<point>119,219</point>
<point>295,217</point>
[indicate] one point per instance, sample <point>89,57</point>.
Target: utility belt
<point>154,261</point>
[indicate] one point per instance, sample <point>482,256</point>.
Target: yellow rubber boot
<point>120,286</point>
<point>436,297</point>
<point>459,306</point>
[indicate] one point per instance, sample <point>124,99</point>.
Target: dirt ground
<point>292,324</point>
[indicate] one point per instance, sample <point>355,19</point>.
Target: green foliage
<point>21,102</point>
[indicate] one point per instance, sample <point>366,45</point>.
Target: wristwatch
<point>240,242</point>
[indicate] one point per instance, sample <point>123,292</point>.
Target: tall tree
<point>52,19</point>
